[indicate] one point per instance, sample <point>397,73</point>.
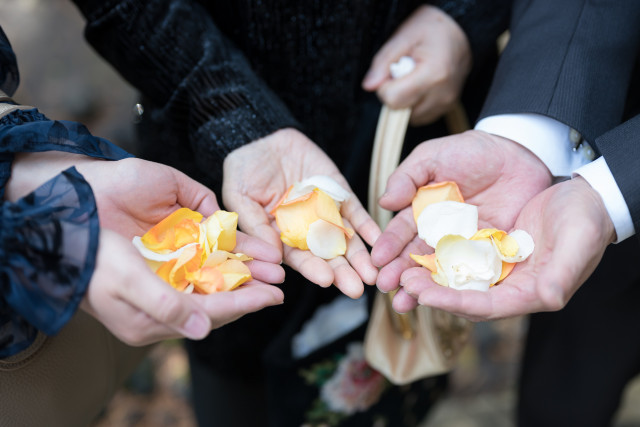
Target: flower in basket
<point>464,257</point>
<point>355,386</point>
<point>308,216</point>
<point>194,255</point>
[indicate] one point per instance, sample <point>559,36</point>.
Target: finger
<point>314,269</point>
<point>139,328</point>
<point>167,306</point>
<point>378,73</point>
<point>429,108</point>
<point>225,307</point>
<point>253,219</point>
<point>357,216</point>
<point>257,248</point>
<point>400,231</point>
<point>266,272</point>
<point>407,91</point>
<point>403,302</point>
<point>389,275</point>
<point>399,192</point>
<point>195,196</point>
<point>346,278</point>
<point>359,258</point>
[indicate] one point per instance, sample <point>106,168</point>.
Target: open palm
<point>571,230</point>
<point>258,174</point>
<point>495,174</point>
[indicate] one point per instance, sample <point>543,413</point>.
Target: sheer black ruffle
<point>49,238</point>
<point>48,242</point>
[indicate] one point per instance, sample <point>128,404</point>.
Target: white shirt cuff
<point>555,143</point>
<point>598,175</point>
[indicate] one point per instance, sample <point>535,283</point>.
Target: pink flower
<point>355,386</point>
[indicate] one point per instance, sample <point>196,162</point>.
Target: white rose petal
<point>467,264</point>
<point>449,217</point>
<point>324,183</point>
<point>525,246</point>
<point>326,240</point>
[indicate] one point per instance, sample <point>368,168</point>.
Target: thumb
<point>195,196</point>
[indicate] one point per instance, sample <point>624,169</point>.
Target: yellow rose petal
<point>221,230</point>
<point>234,272</point>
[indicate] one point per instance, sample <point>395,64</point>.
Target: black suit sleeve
<point>570,60</point>
<point>620,147</point>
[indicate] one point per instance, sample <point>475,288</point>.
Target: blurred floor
<point>63,77</point>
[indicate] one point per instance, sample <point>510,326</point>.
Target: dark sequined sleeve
<point>49,238</point>
<point>174,54</point>
<point>482,21</point>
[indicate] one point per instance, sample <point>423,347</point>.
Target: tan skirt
<point>65,380</point>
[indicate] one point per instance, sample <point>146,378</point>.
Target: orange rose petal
<point>173,232</point>
<point>507,267</point>
<point>188,262</point>
<point>433,193</point>
<point>427,261</point>
<point>165,269</point>
<point>281,201</point>
<point>207,280</point>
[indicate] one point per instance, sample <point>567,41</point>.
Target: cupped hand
<point>258,174</point>
<point>132,195</point>
<point>497,175</point>
<point>139,308</point>
<point>571,230</point>
<point>442,55</point>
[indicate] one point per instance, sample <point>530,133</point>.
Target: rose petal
<point>427,261</point>
<point>326,240</point>
<point>324,183</point>
<point>206,280</point>
<point>466,264</point>
<point>175,271</point>
<point>294,217</point>
<point>218,257</point>
<point>434,193</point>
<point>234,272</point>
<point>525,246</point>
<point>445,218</point>
<point>221,230</point>
<point>175,231</point>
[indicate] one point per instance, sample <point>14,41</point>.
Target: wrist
<point>599,208</point>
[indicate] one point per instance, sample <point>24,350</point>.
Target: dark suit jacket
<point>573,61</point>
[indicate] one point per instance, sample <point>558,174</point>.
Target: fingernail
<point>197,326</point>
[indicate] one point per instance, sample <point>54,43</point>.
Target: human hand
<point>258,174</point>
<point>571,230</point>
<point>443,60</point>
<point>494,173</point>
<point>139,308</point>
<point>132,195</point>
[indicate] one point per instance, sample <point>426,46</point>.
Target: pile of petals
<point>464,257</point>
<point>194,255</point>
<point>308,216</point>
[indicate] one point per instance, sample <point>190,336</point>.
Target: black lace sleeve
<point>48,242</point>
<point>49,238</point>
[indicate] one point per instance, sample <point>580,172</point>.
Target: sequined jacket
<point>49,238</point>
<point>215,75</point>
